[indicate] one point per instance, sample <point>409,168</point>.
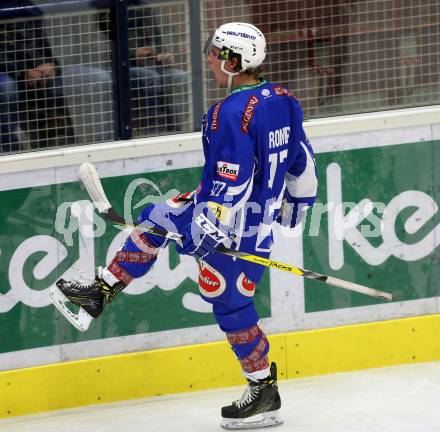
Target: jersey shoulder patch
<point>238,107</point>
<point>248,113</point>
<point>282,91</point>
<point>215,115</point>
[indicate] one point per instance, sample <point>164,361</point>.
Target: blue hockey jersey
<point>256,156</point>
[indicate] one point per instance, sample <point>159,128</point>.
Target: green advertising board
<point>35,253</point>
<point>375,222</point>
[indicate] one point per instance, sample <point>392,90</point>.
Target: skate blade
<point>267,419</point>
<point>81,321</point>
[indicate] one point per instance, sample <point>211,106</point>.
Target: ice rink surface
<point>395,399</point>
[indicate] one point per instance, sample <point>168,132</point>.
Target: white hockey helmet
<point>242,39</point>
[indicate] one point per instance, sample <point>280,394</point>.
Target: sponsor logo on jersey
<point>245,286</point>
<point>228,170</point>
<point>281,91</point>
<point>248,113</point>
<point>211,281</point>
<point>221,212</point>
<point>265,92</point>
<point>214,124</point>
<point>279,137</point>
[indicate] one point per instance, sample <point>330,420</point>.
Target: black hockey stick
<point>92,183</point>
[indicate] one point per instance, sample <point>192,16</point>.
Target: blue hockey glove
<point>293,210</point>
<point>201,237</point>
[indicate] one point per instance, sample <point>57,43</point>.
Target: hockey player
<point>259,168</point>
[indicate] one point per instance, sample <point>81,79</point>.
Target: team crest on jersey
<point>211,281</point>
<point>228,170</point>
<point>248,113</point>
<point>214,124</point>
<point>245,286</point>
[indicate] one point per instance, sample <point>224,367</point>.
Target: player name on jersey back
<point>279,137</point>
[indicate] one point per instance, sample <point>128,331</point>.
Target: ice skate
<point>257,408</point>
<point>90,297</point>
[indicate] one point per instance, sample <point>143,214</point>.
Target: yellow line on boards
<point>212,365</point>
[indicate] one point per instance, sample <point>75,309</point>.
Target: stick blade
<point>351,286</point>
<point>90,179</point>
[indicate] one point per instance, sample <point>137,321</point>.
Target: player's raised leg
<point>136,257</point>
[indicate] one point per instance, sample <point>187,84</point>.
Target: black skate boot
<point>90,297</point>
<point>258,407</point>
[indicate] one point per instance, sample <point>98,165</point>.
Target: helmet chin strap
<point>230,76</point>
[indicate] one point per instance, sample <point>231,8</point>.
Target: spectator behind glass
<point>35,90</point>
<point>159,92</point>
<point>31,95</point>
